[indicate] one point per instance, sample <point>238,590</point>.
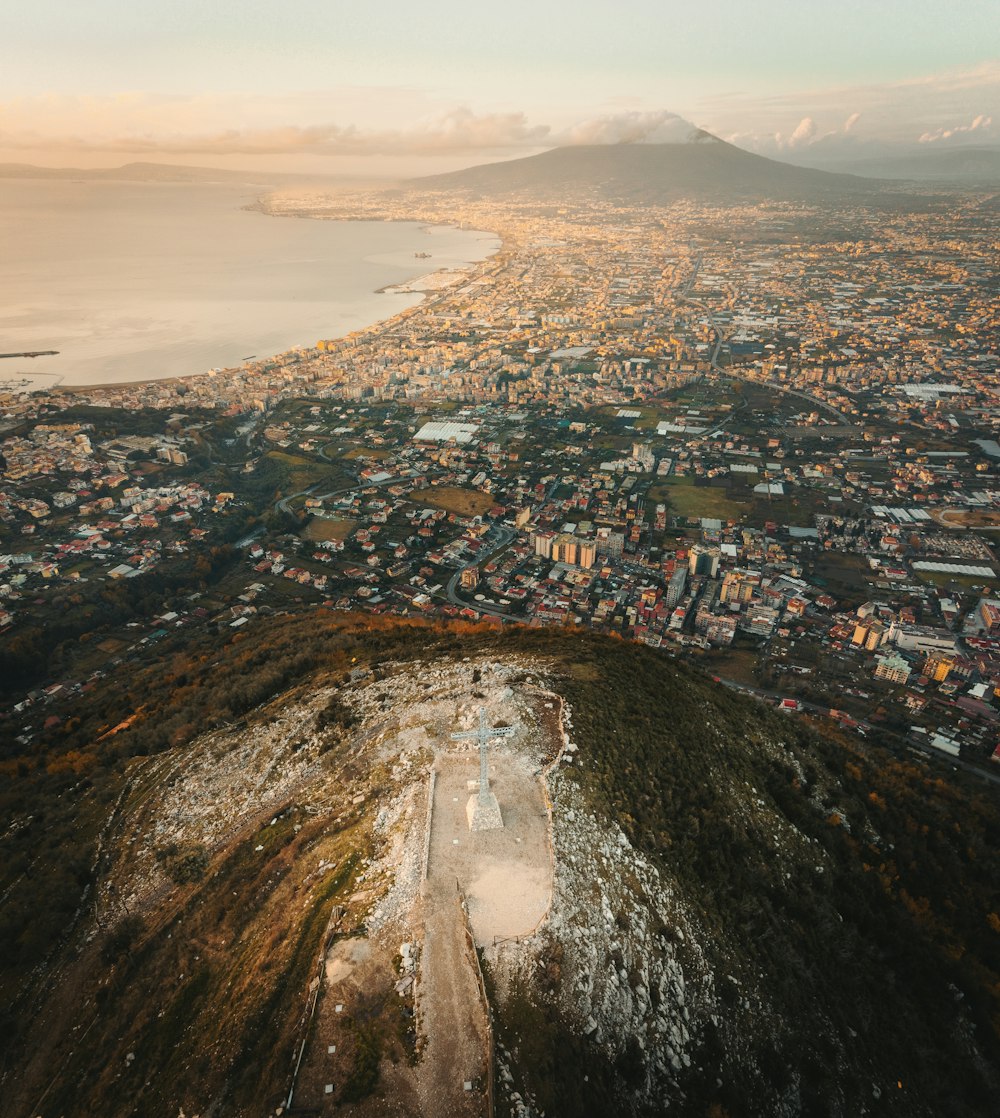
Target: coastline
<point>428,289</point>
<point>460,254</point>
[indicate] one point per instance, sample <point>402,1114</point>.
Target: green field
<point>684,498</point>
<point>299,472</point>
<point>463,502</point>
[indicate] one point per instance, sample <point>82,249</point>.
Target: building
<point>989,614</point>
<point>676,587</point>
<point>564,548</point>
<point>543,543</point>
<point>642,454</point>
<point>739,586</point>
<point>469,578</point>
<point>761,620</point>
<point>443,432</point>
<point>610,543</point>
<point>921,638</point>
<point>704,560</point>
<point>893,669</point>
<point>938,668</point>
<point>721,629</point>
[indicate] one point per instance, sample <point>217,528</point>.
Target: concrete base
<point>484,816</point>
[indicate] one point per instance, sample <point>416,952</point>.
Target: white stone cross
<point>483,734</point>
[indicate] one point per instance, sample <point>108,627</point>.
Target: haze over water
<point>140,281</point>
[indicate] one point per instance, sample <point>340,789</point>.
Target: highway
<point>866,728</point>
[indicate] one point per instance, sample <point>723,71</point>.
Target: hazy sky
<point>304,84</point>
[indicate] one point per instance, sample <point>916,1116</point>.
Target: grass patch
<point>366,452</point>
<point>734,663</point>
<point>298,472</point>
<point>462,502</point>
<point>321,528</point>
<point>944,579</point>
<point>687,499</point>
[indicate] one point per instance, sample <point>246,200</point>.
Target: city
<point>774,452</point>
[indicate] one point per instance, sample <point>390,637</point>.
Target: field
<point>967,518</point>
<point>686,499</point>
<point>299,472</point>
<point>321,528</point>
<point>951,581</point>
<point>451,498</point>
<point>364,452</point>
<point>734,663</point>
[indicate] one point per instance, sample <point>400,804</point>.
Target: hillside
<point>737,915</point>
<point>706,169</point>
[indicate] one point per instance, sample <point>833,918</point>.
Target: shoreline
<point>425,294</point>
<point>424,287</point>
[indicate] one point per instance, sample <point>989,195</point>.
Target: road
<point>866,728</point>
<point>452,1014</point>
<point>721,335</point>
<point>506,535</point>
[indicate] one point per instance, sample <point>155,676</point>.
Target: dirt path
<point>506,875</point>
<point>452,1017</point>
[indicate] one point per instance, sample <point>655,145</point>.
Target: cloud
<point>805,133</point>
<point>162,127</point>
<point>981,124</point>
<point>859,117</point>
<point>656,127</point>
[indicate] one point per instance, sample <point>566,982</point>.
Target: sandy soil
<point>452,1015</point>
<point>506,874</point>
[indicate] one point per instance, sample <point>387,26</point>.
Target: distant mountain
<point>972,166</point>
<point>156,172</point>
<point>648,174</point>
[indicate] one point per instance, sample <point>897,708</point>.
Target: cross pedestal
<point>482,810</point>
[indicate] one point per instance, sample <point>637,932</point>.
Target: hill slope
<point>650,174</point>
<point>747,917</point>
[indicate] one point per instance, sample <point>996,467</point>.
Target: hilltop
<point>746,916</point>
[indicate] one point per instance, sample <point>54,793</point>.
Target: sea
<point>141,281</point>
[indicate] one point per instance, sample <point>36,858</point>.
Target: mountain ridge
<point>159,172</point>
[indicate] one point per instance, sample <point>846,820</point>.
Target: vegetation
<point>685,498</point>
<point>879,955</point>
<point>860,956</point>
<point>462,502</point>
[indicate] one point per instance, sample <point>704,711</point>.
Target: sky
<point>394,87</point>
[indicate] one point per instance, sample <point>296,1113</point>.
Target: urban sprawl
<point>762,437</point>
